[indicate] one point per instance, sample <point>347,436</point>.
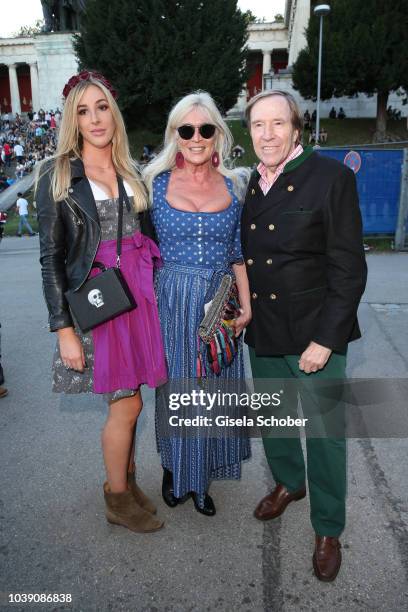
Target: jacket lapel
<point>287,183</point>
<point>81,191</point>
<point>257,203</point>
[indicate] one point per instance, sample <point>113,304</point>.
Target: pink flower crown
<point>86,75</point>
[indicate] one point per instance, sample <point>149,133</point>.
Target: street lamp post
<point>320,11</point>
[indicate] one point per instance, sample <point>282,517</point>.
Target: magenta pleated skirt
<point>128,350</point>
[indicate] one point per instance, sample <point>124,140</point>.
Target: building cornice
<point>18,40</point>
<point>266,25</point>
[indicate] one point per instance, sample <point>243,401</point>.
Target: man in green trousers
<point>302,243</point>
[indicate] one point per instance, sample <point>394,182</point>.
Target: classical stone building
<point>276,71</point>
<point>33,71</point>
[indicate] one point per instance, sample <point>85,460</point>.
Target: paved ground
<point>54,537</point>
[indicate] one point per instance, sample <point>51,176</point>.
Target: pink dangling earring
<point>215,159</point>
<point>179,160</point>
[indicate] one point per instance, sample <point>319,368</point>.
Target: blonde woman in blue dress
<point>196,209</point>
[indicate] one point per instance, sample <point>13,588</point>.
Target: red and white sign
<point>353,161</point>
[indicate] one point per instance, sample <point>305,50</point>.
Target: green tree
<point>37,28</point>
<point>364,50</point>
<point>250,17</point>
<point>156,51</point>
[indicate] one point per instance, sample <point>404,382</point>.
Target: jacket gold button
<point>271,227</point>
<point>253,226</point>
<point>290,187</point>
<point>254,296</point>
<point>253,191</point>
<point>272,296</point>
<point>250,262</point>
<point>269,261</point>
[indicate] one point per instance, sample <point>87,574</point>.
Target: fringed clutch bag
<point>216,331</point>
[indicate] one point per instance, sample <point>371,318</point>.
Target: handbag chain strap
<point>123,197</point>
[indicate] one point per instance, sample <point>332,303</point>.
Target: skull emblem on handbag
<point>95,298</point>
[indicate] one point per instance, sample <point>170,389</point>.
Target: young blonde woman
<point>196,210</point>
<point>77,202</point>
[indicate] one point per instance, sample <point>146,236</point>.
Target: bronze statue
<point>48,12</point>
<point>62,15</point>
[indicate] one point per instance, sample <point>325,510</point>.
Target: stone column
<point>14,92</point>
<point>297,39</point>
<point>267,62</point>
<point>267,70</point>
<point>35,95</point>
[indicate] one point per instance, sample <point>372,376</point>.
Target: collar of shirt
<point>264,182</point>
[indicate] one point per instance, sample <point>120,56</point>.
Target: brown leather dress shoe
<point>274,504</point>
<point>327,558</point>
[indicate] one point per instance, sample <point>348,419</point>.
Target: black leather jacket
<point>69,238</point>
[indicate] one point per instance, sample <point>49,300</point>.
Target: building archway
<point>5,95</point>
<point>24,87</point>
<point>278,61</point>
<point>254,67</point>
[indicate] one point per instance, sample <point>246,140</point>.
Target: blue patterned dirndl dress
<point>197,250</point>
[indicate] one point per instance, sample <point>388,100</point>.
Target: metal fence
<point>382,180</point>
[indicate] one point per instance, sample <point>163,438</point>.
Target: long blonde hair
<point>166,159</point>
<point>70,141</point>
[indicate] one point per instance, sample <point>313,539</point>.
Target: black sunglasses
<point>187,131</point>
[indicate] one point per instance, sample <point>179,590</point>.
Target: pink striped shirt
<point>265,183</point>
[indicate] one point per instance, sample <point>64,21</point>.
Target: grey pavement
<point>54,537</point>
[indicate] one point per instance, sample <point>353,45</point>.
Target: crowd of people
<point>309,124</point>
<point>24,141</point>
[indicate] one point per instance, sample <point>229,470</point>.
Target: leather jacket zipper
<point>97,245</point>
<point>78,219</point>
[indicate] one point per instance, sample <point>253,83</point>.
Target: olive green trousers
<point>326,456</point>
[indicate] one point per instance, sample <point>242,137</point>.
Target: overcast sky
<point>17,13</point>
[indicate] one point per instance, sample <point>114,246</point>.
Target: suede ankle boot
<point>140,497</point>
<point>122,509</point>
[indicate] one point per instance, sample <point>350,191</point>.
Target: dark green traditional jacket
<point>304,255</point>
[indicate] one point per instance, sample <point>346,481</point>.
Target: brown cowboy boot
<point>122,509</point>
<point>141,498</point>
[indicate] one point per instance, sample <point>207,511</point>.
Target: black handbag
<point>106,295</point>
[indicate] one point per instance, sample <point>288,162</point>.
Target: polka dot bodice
<point>205,239</point>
